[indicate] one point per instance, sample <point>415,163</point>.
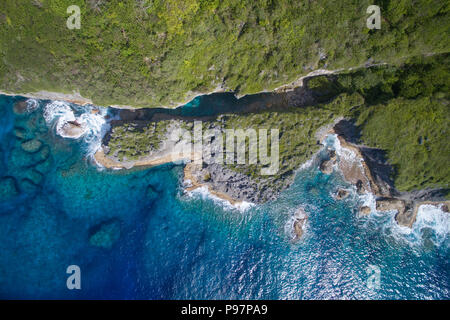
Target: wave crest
<point>73,122</point>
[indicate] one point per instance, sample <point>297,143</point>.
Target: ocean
<point>135,234</point>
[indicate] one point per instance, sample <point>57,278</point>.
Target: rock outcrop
<point>327,165</point>
<point>341,194</point>
<point>299,223</point>
<point>196,176</point>
<point>404,215</point>
<point>364,211</point>
<point>389,204</point>
<point>367,169</point>
<point>355,167</point>
<point>408,217</point>
<point>72,129</point>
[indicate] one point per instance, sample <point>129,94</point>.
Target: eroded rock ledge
<point>363,167</point>
<point>367,169</point>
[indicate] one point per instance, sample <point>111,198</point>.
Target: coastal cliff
<point>367,170</point>
<point>372,152</point>
<point>172,51</point>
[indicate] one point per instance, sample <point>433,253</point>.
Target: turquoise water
<point>160,243</point>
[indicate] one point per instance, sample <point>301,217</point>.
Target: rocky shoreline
<point>192,181</point>
<point>221,180</point>
<point>367,170</point>
<point>364,168</point>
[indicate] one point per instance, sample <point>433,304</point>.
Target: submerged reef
<point>105,234</point>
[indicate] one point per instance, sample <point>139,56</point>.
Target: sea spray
<point>203,193</point>
<point>90,119</point>
<point>431,217</point>
<point>32,105</point>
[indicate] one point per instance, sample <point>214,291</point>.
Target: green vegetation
<point>406,114</point>
<point>417,77</point>
<point>298,128</point>
<point>130,141</point>
<point>408,117</point>
<point>415,135</point>
<point>153,52</point>
<point>401,110</point>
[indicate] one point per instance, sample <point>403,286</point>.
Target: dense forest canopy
<point>151,53</point>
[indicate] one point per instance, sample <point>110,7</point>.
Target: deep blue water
<point>165,244</point>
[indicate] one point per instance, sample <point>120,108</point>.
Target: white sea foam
<point>429,217</point>
<point>308,163</point>
<point>432,224</point>
<point>432,217</point>
<point>58,110</point>
<point>244,205</point>
<point>343,153</point>
<point>368,200</point>
<point>92,125</point>
<point>32,105</point>
<point>203,193</point>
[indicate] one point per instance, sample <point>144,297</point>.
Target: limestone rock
<point>361,166</point>
<point>341,194</point>
<point>351,164</point>
<point>364,211</point>
<point>406,218</point>
<point>299,223</point>
<point>388,204</point>
<point>72,129</point>
<point>332,154</point>
<point>326,166</point>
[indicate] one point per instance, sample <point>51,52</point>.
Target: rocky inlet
<point>366,169</point>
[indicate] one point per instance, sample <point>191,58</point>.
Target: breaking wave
<point>204,193</point>
<point>432,224</point>
<point>87,123</point>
